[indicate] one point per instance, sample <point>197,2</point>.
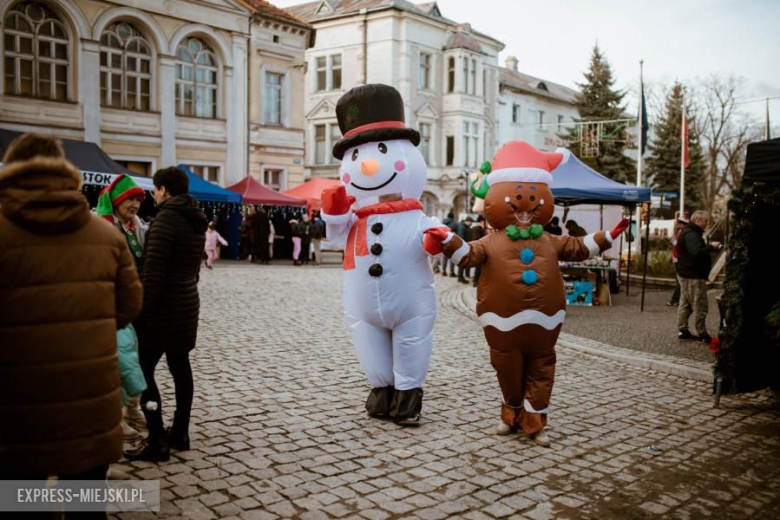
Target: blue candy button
<point>527,256</point>
<point>530,277</point>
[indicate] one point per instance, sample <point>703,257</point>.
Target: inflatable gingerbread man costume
<point>520,296</point>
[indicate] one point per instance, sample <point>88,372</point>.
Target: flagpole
<point>766,128</point>
<point>641,129</point>
<point>683,144</point>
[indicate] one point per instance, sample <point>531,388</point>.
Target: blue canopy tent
<point>220,205</point>
<point>574,182</point>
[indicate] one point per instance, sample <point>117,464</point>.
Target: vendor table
<point>602,276</point>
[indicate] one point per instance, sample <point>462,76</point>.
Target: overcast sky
<point>678,39</point>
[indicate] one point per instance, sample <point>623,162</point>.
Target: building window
<point>470,143</point>
<point>272,102</point>
<point>451,75</point>
<point>424,81</point>
<point>425,142</point>
<point>207,172</point>
<point>322,73</point>
<point>328,70</point>
<point>540,121</point>
<point>273,178</point>
<point>143,168</point>
<point>473,85</point>
<point>335,135</point>
<point>36,53</point>
<point>465,77</point>
<point>125,68</point>
<point>560,123</point>
<point>320,154</point>
<point>450,150</point>
<point>516,114</point>
<point>196,79</point>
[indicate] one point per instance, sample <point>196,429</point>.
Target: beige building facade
<point>207,83</point>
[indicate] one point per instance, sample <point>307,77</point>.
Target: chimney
<point>511,63</point>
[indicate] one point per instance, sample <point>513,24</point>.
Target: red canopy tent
<point>312,191</point>
<point>255,193</point>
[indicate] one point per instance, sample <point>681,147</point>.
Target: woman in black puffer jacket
<point>169,320</point>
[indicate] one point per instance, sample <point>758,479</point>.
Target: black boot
<point>406,406</point>
<point>177,440</point>
<point>378,402</point>
<point>154,448</point>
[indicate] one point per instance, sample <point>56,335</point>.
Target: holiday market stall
<point>221,206</point>
<point>575,184</point>
<point>98,170</point>
<point>280,207</point>
<point>748,348</point>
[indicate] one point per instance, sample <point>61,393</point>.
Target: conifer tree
<point>663,163</point>
<point>599,100</point>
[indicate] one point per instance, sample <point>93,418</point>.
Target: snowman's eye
<point>382,147</point>
<point>354,155</point>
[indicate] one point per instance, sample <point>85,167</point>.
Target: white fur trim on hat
<point>566,154</point>
<point>519,175</point>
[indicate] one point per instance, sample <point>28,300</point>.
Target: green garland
<point>743,207</point>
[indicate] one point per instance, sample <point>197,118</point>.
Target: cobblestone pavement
<point>654,330</point>
<point>279,428</point>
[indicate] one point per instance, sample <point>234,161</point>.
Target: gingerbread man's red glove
<point>433,238</point>
<point>622,226</point>
<point>335,200</point>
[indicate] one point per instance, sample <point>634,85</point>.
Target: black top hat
<point>371,113</point>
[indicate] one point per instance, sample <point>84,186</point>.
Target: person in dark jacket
<point>575,230</point>
<point>169,320</point>
<point>260,229</point>
<point>68,284</point>
<point>464,232</point>
<point>317,229</point>
<point>451,223</point>
<point>693,269</point>
<point>304,227</point>
<point>477,232</point>
<point>553,227</point>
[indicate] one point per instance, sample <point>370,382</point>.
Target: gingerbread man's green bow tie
<point>516,233</point>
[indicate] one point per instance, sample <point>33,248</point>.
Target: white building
<point>447,74</point>
<point>532,109</point>
<point>157,83</point>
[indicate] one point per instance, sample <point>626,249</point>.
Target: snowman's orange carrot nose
<point>369,166</point>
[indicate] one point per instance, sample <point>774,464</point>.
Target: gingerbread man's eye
<point>382,147</point>
<point>519,197</point>
<point>354,155</point>
<point>533,198</point>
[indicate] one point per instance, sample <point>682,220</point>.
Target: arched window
<point>36,52</point>
<point>125,68</point>
<point>196,79</point>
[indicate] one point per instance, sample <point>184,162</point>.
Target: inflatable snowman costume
<point>389,297</point>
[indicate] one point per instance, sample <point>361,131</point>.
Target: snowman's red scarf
<point>357,241</point>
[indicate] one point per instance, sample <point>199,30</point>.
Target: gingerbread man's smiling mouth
<point>391,179</point>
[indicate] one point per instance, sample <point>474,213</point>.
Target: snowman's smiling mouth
<point>391,179</point>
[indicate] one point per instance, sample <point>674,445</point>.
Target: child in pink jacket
<point>211,243</point>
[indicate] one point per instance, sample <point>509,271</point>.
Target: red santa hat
<point>518,161</point>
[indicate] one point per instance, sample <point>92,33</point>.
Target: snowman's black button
<point>377,228</point>
<point>375,270</point>
<point>376,249</point>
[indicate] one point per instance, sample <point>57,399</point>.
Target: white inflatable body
<point>391,315</point>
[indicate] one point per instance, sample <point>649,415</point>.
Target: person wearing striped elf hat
<point>119,203</point>
<point>520,296</point>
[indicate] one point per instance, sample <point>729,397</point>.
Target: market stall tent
<point>204,190</point>
<point>311,190</point>
<point>97,168</point>
<point>252,192</point>
<point>574,182</point>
